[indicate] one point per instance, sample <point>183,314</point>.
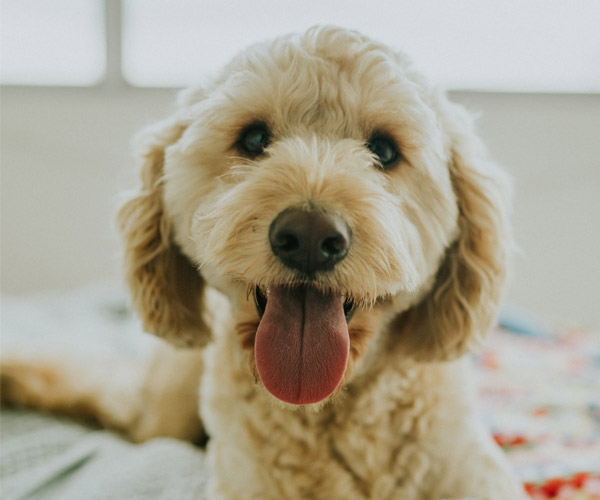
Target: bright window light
<point>58,42</point>
<point>509,45</point>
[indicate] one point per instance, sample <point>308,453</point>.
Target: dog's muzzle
<point>309,240</point>
<point>302,342</point>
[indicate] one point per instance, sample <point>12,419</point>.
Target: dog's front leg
<point>169,404</point>
<point>139,399</point>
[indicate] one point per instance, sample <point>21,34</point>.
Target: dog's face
<point>319,183</point>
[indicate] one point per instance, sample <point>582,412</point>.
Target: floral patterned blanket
<point>540,394</point>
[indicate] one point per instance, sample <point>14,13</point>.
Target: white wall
<point>65,155</point>
<point>551,146</point>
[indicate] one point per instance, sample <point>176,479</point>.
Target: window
<point>58,42</point>
<point>510,45</point>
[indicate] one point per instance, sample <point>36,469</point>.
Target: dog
<point>321,234</point>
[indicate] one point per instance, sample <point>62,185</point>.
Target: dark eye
<point>254,140</point>
<point>385,150</point>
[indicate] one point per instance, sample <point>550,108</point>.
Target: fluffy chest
<point>361,446</point>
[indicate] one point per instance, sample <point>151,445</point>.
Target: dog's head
<point>332,194</point>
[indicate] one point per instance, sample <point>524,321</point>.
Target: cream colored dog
<point>326,226</point>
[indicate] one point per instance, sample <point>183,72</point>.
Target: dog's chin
<point>302,343</point>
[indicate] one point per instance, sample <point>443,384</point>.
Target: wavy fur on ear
<point>166,288</point>
<point>463,303</point>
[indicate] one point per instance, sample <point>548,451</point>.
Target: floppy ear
<point>462,305</point>
<point>166,288</point>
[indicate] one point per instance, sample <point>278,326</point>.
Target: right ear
<point>166,288</point>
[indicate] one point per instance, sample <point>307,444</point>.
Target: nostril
<point>334,246</point>
<point>285,241</point>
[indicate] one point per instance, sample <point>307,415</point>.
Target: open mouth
<point>260,300</point>
<point>302,342</point>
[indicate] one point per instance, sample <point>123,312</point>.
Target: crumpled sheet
<point>49,458</point>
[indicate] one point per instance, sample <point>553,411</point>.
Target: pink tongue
<point>302,344</point>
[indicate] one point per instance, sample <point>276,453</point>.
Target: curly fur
<point>426,269</point>
<point>164,286</point>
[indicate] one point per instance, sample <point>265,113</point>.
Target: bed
<point>539,392</point>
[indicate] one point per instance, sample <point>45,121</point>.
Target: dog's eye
<point>254,140</point>
<point>385,150</point>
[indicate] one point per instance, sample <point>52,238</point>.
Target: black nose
<point>309,241</point>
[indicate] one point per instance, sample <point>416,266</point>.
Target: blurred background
<point>80,77</point>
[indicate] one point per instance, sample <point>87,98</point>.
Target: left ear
<point>463,303</point>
